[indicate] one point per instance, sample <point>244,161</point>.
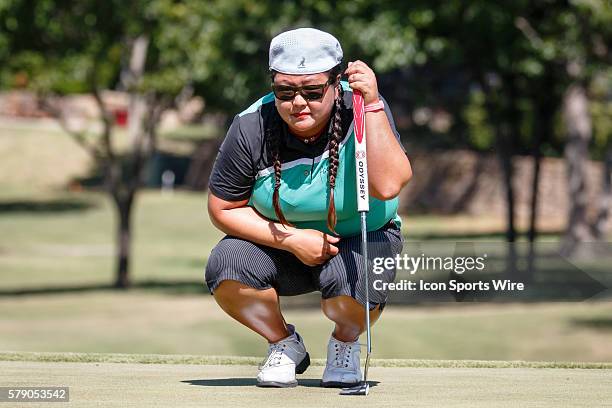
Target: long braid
<point>334,147</point>
<point>273,136</point>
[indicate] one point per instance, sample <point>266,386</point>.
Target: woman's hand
<point>362,78</point>
<point>312,247</point>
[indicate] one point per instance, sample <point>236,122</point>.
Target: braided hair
<point>272,136</point>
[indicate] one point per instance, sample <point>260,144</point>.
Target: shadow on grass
<point>251,382</point>
<point>596,323</point>
<point>49,206</point>
<point>185,287</point>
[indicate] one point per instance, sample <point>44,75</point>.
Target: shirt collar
<point>295,143</point>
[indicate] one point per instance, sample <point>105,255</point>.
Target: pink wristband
<point>374,107</point>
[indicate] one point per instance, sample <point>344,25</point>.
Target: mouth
<point>300,115</point>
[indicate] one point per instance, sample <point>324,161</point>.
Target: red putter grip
<point>358,113</point>
<point>361,161</point>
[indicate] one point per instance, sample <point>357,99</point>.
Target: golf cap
<point>304,51</point>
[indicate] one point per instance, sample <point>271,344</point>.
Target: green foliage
<point>220,47</point>
<point>481,133</point>
<point>601,110</point>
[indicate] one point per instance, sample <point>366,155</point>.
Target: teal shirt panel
<point>304,194</point>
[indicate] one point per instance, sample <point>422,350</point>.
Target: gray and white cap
<point>304,51</point>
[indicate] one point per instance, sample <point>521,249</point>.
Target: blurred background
<point>112,112</point>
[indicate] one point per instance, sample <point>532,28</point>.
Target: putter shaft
<point>364,250</point>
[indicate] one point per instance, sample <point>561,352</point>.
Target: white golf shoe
<point>342,368</point>
<point>286,358</point>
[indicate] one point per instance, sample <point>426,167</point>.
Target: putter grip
<point>361,162</point>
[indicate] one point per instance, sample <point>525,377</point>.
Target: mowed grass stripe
<point>230,360</point>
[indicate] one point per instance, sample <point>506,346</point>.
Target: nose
<point>299,100</point>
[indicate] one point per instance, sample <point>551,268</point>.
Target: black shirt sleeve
<point>233,173</point>
<point>392,122</point>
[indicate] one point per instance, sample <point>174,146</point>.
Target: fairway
<point>166,385</point>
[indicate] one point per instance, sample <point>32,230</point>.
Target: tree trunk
<point>508,132</point>
<point>124,211</point>
<point>130,79</point>
<point>579,132</point>
<point>601,226</point>
<point>505,159</point>
<point>128,180</point>
<point>542,130</point>
<point>540,127</point>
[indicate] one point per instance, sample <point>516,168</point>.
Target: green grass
<point>317,362</point>
<point>172,237</point>
<point>193,132</point>
<point>61,244</point>
<point>144,322</point>
<point>196,385</point>
<point>53,238</point>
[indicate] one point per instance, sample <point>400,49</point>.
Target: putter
<point>363,206</point>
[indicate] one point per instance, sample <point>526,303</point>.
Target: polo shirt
<point>244,170</point>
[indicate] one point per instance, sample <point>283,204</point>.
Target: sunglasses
<point>308,92</point>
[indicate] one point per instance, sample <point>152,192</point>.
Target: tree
<point>86,47</point>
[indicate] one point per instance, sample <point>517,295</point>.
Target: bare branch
<point>106,124</point>
<point>525,27</point>
<point>78,137</point>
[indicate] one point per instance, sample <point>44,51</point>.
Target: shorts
<point>263,267</point>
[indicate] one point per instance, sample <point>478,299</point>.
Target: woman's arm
<point>237,219</point>
<point>388,167</point>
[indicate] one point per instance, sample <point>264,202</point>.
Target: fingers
<point>357,66</point>
<point>329,250</point>
<point>358,77</point>
<point>362,86</point>
<point>323,253</point>
<point>327,253</point>
<point>362,78</point>
<point>332,239</point>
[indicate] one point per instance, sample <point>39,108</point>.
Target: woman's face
<point>305,118</point>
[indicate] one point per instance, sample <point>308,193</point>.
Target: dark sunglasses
<point>308,92</point>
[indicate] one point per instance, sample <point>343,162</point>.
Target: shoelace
<point>342,357</point>
<point>275,353</point>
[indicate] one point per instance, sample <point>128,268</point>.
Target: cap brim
<point>304,72</point>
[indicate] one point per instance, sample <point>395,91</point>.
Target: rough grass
<point>233,360</point>
<point>146,322</point>
<point>45,245</point>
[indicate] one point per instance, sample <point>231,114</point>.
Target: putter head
<point>363,388</point>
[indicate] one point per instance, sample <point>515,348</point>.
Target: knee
<point>227,289</point>
<point>234,258</point>
<point>346,311</point>
<point>216,260</point>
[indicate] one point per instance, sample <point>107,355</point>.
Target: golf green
<point>104,384</point>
